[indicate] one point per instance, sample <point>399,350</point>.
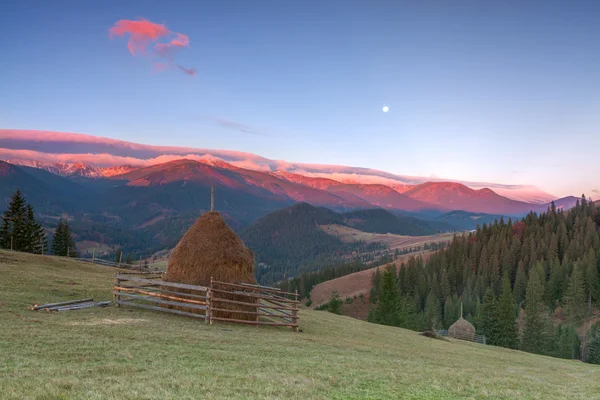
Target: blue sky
<point>502,91</point>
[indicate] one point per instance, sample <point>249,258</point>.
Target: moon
<point>385,109</point>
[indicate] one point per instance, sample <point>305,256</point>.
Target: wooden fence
<point>221,301</point>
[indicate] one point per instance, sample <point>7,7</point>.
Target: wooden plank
<point>158,289</point>
<point>154,308</point>
<point>140,273</point>
<point>217,300</point>
<point>253,295</point>
<point>163,283</point>
<point>160,295</point>
<point>290,303</point>
<point>250,286</point>
<point>281,312</point>
<point>170,303</point>
<point>273,314</point>
<point>252,313</point>
<point>63,303</point>
<point>80,306</point>
<point>241,321</point>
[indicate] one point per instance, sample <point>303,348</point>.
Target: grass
<point>114,353</point>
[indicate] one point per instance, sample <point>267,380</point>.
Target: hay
<point>462,329</point>
<point>211,249</point>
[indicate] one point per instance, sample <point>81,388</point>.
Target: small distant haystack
<point>462,329</point>
<point>211,249</point>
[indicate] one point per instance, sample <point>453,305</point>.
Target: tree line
<point>20,231</point>
<point>541,269</point>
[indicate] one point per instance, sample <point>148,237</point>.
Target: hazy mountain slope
<point>455,196</point>
<point>382,221</point>
<point>467,220</point>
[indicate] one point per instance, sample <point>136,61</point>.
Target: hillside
<point>456,196</point>
<point>289,241</point>
<point>301,238</point>
<point>356,284</point>
<point>132,354</point>
<point>467,220</point>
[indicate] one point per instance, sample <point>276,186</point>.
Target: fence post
<point>295,313</point>
<point>210,301</point>
<point>117,284</point>
<point>208,312</point>
<point>94,256</point>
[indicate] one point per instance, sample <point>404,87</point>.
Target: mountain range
<point>71,148</point>
<point>145,205</point>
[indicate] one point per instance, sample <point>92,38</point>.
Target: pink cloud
<point>189,71</point>
<point>143,33</point>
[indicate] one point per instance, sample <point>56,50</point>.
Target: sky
<point>498,91</point>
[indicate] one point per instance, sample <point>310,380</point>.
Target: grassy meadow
<point>112,353</point>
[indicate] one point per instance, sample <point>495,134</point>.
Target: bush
<point>335,304</point>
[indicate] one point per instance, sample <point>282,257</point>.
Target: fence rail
<point>221,301</point>
<point>471,338</point>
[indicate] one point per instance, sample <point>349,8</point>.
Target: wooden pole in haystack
<point>212,199</point>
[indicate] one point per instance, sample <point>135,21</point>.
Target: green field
<point>123,353</point>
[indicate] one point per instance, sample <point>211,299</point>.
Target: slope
<point>131,354</point>
<point>456,196</point>
<point>289,241</point>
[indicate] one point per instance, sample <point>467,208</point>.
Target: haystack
<point>462,329</point>
<point>211,249</point>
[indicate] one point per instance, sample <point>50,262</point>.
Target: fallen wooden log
<point>80,306</point>
<point>36,307</point>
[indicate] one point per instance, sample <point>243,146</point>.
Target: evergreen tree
<point>335,304</point>
<point>449,312</point>
<point>592,283</point>
<point>14,224</point>
<point>433,312</point>
<point>58,242</point>
<point>593,344</point>
<point>387,310</point>
<point>520,284</point>
<point>489,317</point>
<point>575,296</point>
<point>63,243</point>
<point>535,337</point>
<point>567,343</point>
<point>507,333</point>
<point>35,236</point>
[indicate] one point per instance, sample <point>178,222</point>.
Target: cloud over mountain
<point>153,40</point>
<point>97,151</point>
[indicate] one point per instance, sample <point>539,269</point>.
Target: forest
<point>531,284</point>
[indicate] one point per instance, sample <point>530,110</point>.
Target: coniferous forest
<point>532,284</point>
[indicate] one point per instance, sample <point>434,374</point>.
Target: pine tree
<point>489,317</point>
<point>335,304</point>
<point>575,296</point>
<point>14,223</point>
<point>592,283</point>
<point>387,310</point>
<point>506,325</point>
<point>520,284</point>
<point>35,236</point>
<point>63,243</point>
<point>59,247</point>
<point>567,342</point>
<point>537,329</point>
<point>433,312</point>
<point>593,344</point>
<point>449,312</point>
